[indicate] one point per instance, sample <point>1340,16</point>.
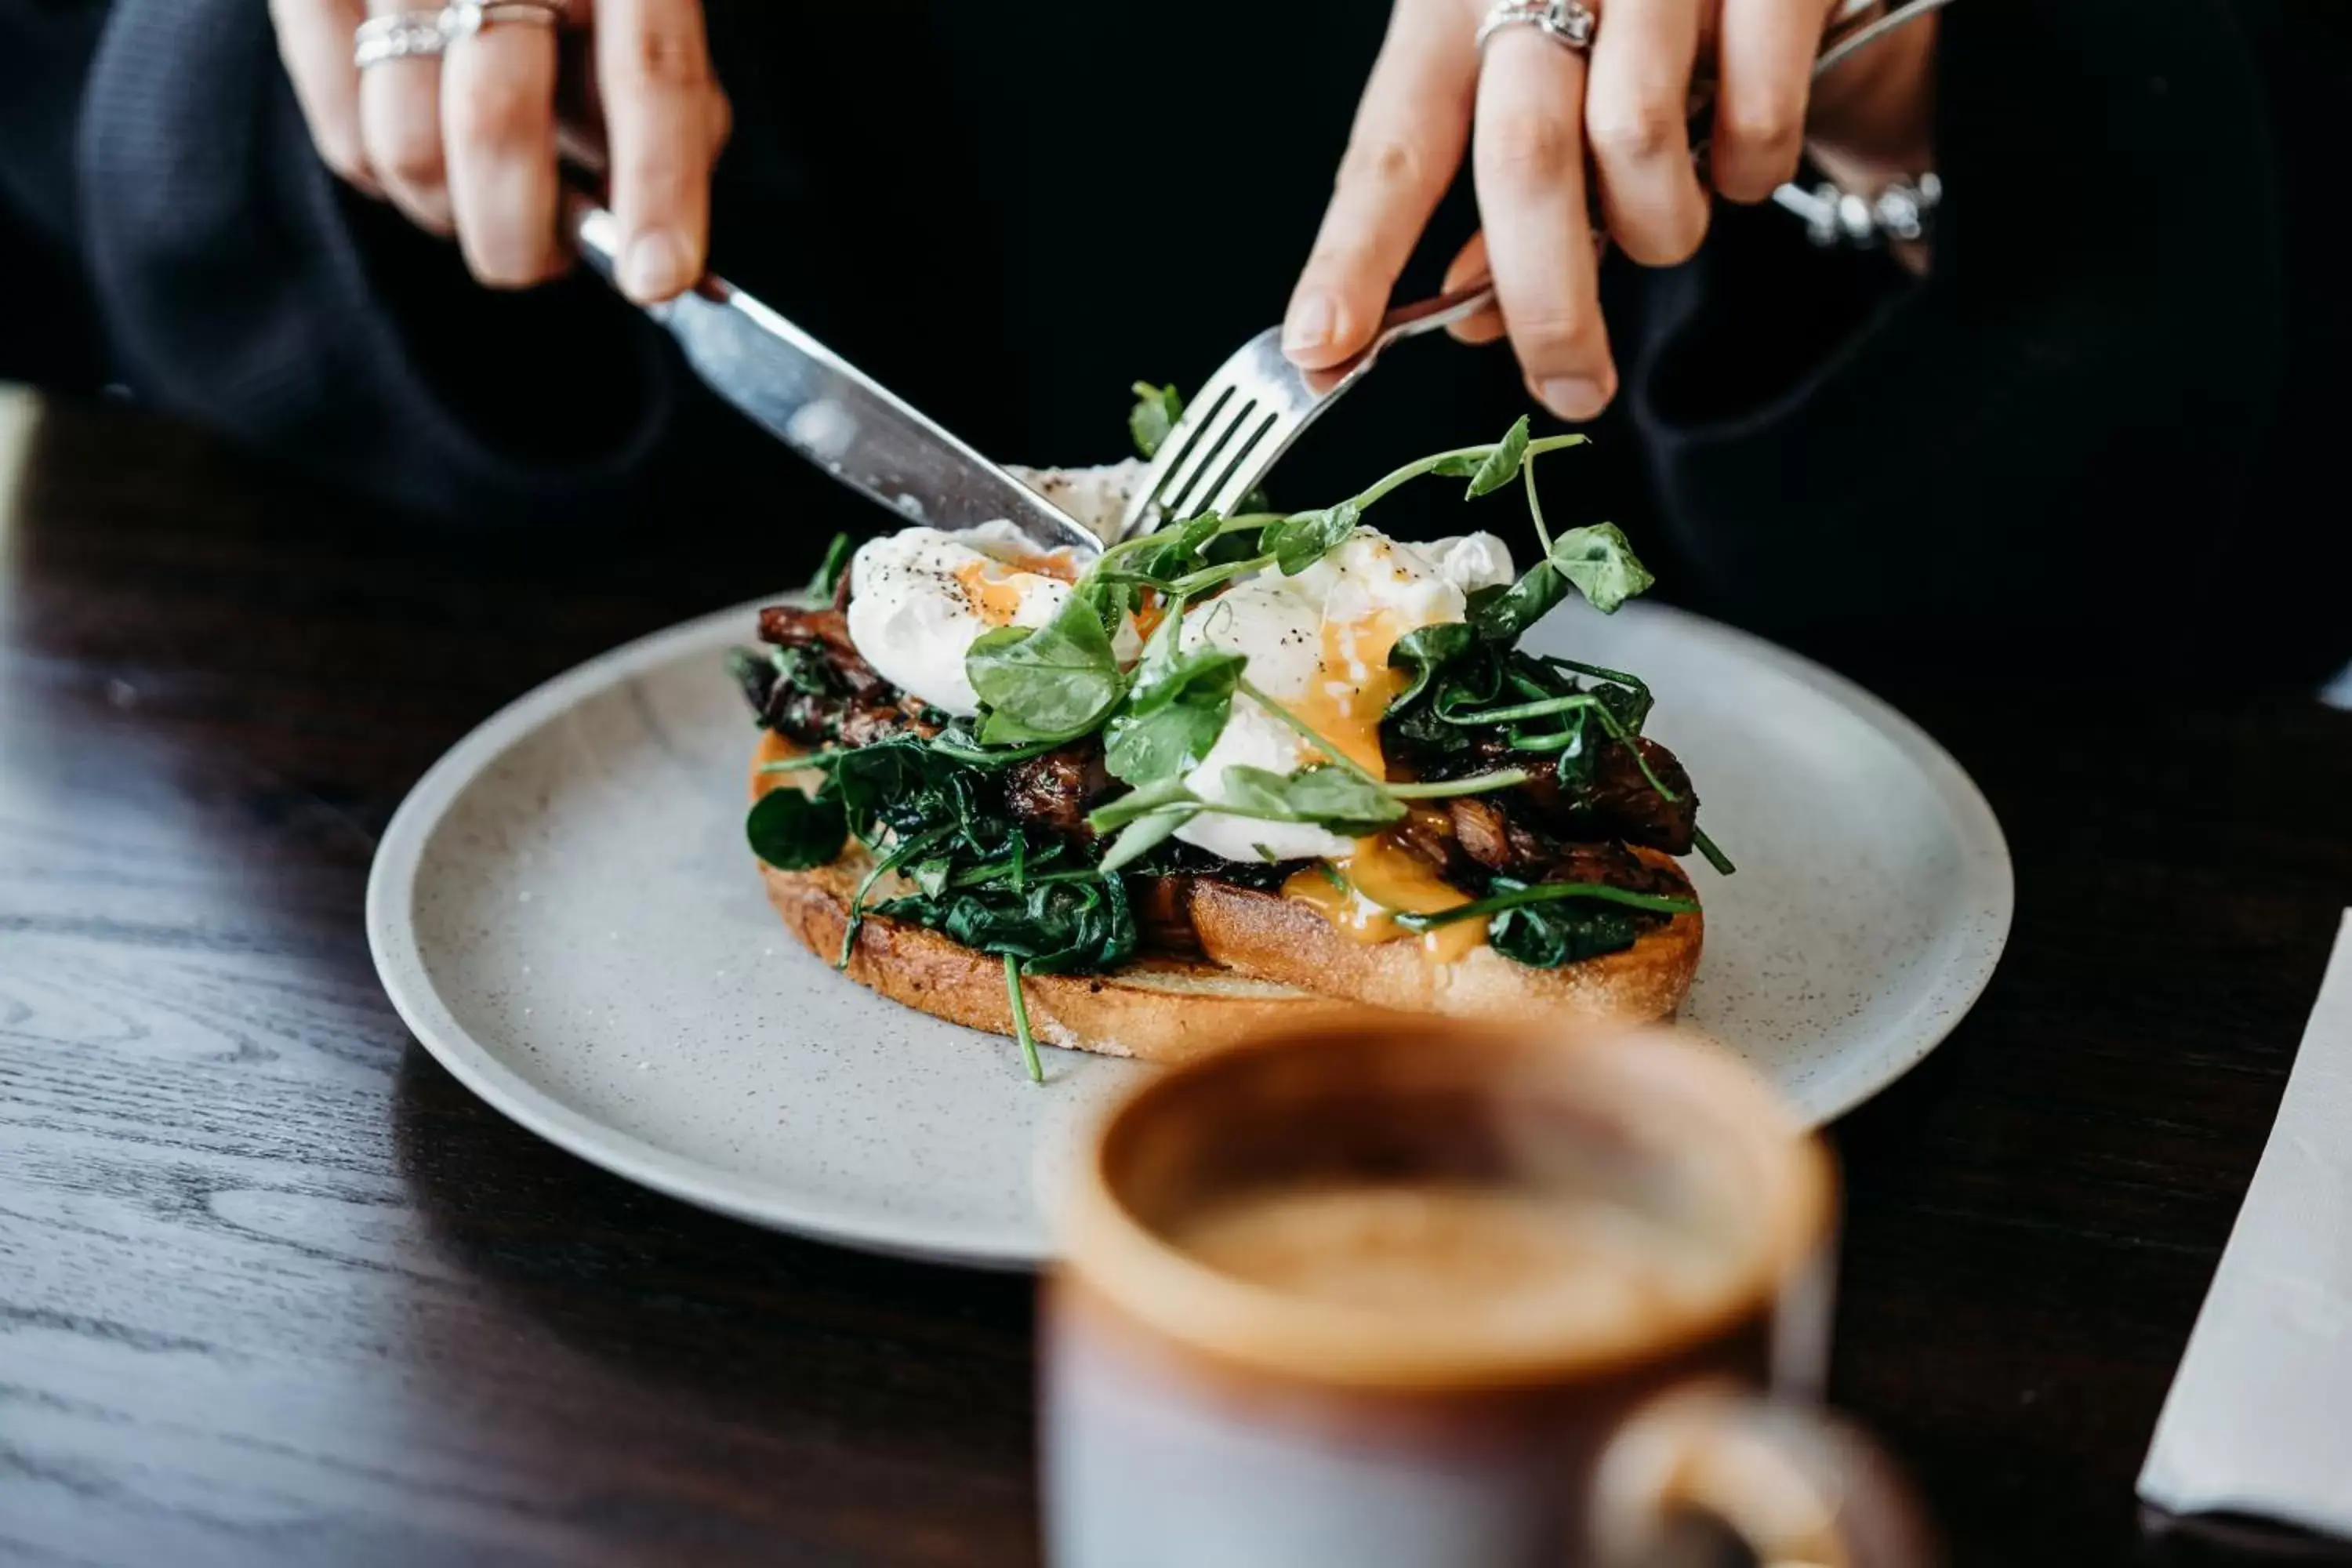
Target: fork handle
<point>1429,315</point>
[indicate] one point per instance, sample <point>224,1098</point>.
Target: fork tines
<point>1229,434</point>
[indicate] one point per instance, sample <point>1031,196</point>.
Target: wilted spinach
<point>792,831</point>
<point>1545,936</point>
<point>828,579</point>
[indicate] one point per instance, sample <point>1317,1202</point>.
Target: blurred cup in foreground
<point>1426,1295</point>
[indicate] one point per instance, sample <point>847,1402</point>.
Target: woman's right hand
<point>465,142</point>
<point>1555,133</point>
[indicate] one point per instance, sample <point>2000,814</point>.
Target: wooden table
<point>273,1289</point>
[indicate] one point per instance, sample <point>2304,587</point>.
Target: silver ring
<point>470,16</point>
<point>1570,24</point>
<point>399,36</point>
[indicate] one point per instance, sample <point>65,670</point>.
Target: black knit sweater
<point>2106,420</point>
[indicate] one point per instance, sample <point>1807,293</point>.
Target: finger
<point>314,39</point>
<point>1468,266</point>
<point>1401,153</point>
<point>1766,67</point>
<point>1634,118</point>
<point>1528,157</point>
<point>399,127</point>
<point>498,120</point>
<point>653,67</point>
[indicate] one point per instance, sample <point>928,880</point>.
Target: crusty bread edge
<point>1157,1010</point>
<point>1287,940</point>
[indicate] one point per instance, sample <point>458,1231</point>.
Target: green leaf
<point>1458,465</point>
<point>1342,801</point>
<point>1156,411</point>
<point>1157,795</point>
<point>827,581</point>
<point>1501,465</point>
<point>1259,790</point>
<point>1506,894</point>
<point>1051,684</point>
<point>792,831</point>
<point>1425,651</point>
<point>801,668</point>
<point>1174,713</point>
<point>1545,936</point>
<point>1173,549</point>
<point>1145,834</point>
<point>1303,538</point>
<point>1321,795</point>
<point>1022,1033</point>
<point>1600,563</point>
<point>1627,697</point>
<point>1503,618</point>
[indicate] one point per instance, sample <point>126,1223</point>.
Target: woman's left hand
<point>1550,121</point>
<point>463,141</point>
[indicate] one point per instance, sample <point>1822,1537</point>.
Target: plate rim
<point>400,969</point>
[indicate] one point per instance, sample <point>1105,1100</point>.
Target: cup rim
<point>1125,1263</point>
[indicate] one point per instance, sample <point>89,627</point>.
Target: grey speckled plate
<point>564,912</point>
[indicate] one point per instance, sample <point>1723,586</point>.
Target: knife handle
<point>595,234</point>
<point>584,221</point>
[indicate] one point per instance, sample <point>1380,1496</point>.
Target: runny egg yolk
<point>1379,880</point>
<point>1353,687</point>
<point>991,589</point>
<point>1149,613</point>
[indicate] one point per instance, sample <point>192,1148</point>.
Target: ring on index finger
<point>399,36</point>
<point>1570,24</point>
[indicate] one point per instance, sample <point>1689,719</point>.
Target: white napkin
<point>2259,1420</point>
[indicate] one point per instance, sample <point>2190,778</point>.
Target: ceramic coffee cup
<point>1429,1295</point>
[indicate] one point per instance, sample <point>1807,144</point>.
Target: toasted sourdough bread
<point>1276,938</point>
<point>1274,962</point>
<point>1158,1010</point>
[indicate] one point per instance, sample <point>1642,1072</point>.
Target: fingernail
<point>1310,323</point>
<point>656,266</point>
<point>1572,397</point>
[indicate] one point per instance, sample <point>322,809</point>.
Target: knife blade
<point>828,410</point>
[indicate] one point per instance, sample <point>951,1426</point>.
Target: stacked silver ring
<point>402,35</point>
<point>398,36</point>
<point>1570,24</point>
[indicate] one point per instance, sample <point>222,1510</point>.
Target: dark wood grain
<point>273,1290</point>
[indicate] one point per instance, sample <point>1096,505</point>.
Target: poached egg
<point>1318,644</point>
<point>920,597</point>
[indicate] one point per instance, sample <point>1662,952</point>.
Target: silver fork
<point>1240,424</point>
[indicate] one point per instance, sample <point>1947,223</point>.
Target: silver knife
<point>828,410</point>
